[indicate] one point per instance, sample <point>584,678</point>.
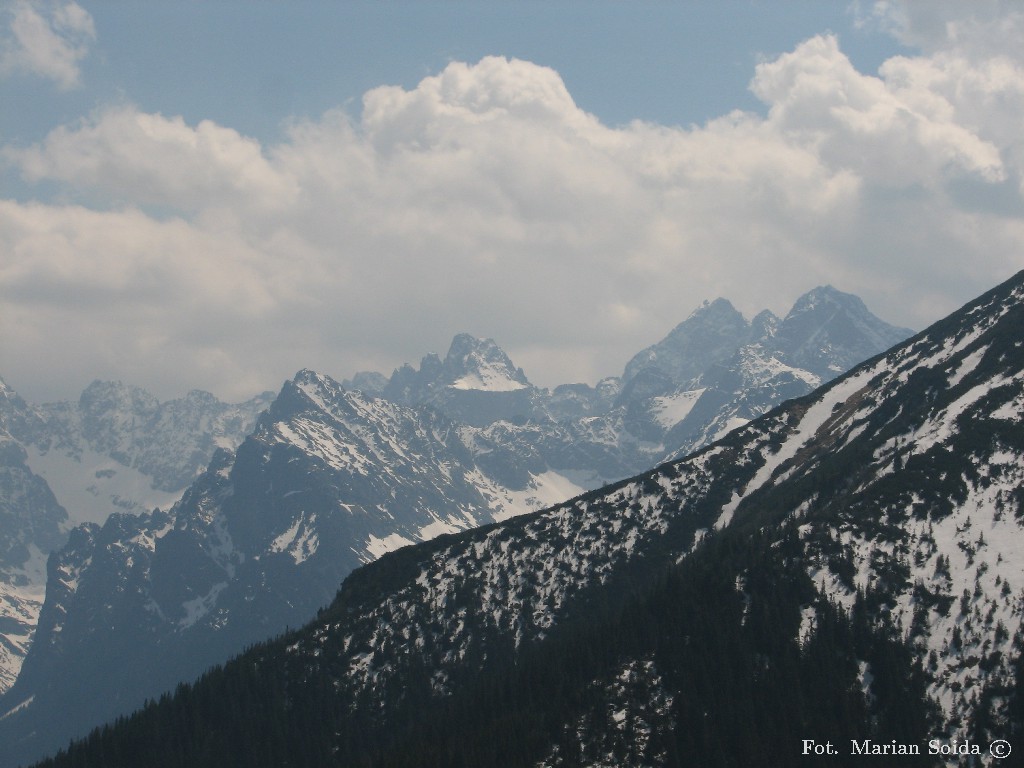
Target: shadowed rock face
<point>116,450</point>
<point>708,336</point>
<point>32,524</point>
<point>828,332</point>
<point>476,384</point>
<point>330,479</point>
<point>889,498</point>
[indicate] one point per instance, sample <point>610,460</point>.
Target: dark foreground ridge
<point>330,477</point>
<point>843,570</point>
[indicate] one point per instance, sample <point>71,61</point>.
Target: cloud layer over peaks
<point>485,200</point>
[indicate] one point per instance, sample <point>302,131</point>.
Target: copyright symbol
<point>999,749</point>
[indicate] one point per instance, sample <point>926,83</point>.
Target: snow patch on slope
<point>812,420</point>
<point>197,608</point>
<point>378,547</point>
<point>300,541</point>
<point>26,703</point>
<point>488,379</point>
<point>542,491</point>
<point>94,486</point>
<point>669,410</point>
<point>21,599</point>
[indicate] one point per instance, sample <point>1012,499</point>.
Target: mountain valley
<point>331,478</point>
<point>846,567</point>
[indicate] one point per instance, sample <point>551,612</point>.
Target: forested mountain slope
<point>332,478</point>
<point>846,567</point>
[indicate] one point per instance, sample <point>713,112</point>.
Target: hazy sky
<point>215,195</point>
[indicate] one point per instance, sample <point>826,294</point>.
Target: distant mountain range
<point>328,478</point>
<point>713,371</point>
<point>116,450</point>
<point>847,568</point>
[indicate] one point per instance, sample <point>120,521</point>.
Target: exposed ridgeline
<point>329,479</point>
<point>847,567</point>
<point>332,477</point>
<point>116,450</point>
<point>711,373</point>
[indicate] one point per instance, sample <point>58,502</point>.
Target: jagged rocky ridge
<point>188,594</point>
<point>118,449</point>
<point>330,479</point>
<point>711,373</point>
<point>880,515</point>
<point>31,525</point>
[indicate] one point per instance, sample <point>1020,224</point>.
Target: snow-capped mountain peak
<point>476,383</point>
<point>850,561</point>
<point>332,478</point>
<point>827,331</point>
<point>481,364</point>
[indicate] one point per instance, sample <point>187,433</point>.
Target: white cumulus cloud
<point>46,39</point>
<point>891,129</point>
<point>980,29</point>
<point>485,200</point>
<point>150,159</point>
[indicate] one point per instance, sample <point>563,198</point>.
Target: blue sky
<point>256,65</point>
<point>215,195</point>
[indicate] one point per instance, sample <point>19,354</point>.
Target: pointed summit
<point>16,416</point>
<point>711,334</point>
<point>765,325</point>
<point>719,307</point>
<point>875,517</point>
<point>828,331</point>
<point>476,383</point>
<point>308,389</point>
<point>480,364</point>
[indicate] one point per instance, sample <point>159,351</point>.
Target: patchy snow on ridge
<point>21,599</point>
<point>544,490</point>
<point>811,422</point>
<point>733,422</point>
<point>438,528</point>
<point>378,547</point>
<point>760,368</point>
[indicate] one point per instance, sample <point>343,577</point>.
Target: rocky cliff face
<point>117,450</point>
<point>869,534</point>
<point>32,524</point>
<point>331,479</point>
